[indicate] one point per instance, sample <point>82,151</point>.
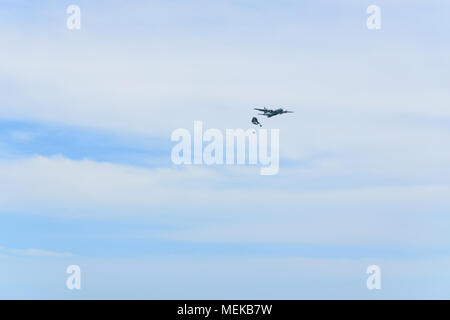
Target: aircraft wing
<point>263,110</point>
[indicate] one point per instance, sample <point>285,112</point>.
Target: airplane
<point>270,113</point>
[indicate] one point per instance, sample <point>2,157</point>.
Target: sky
<point>86,176</point>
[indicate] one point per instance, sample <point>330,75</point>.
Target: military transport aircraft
<point>270,113</point>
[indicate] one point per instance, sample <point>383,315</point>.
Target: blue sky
<point>86,176</point>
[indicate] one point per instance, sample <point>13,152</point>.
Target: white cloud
<point>33,253</point>
<point>370,131</point>
<point>371,113</point>
<point>58,180</point>
<point>140,80</point>
<point>365,130</point>
<point>204,205</point>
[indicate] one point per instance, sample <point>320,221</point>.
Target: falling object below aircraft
<point>256,122</point>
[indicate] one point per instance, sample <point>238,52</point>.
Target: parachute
<point>256,122</point>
